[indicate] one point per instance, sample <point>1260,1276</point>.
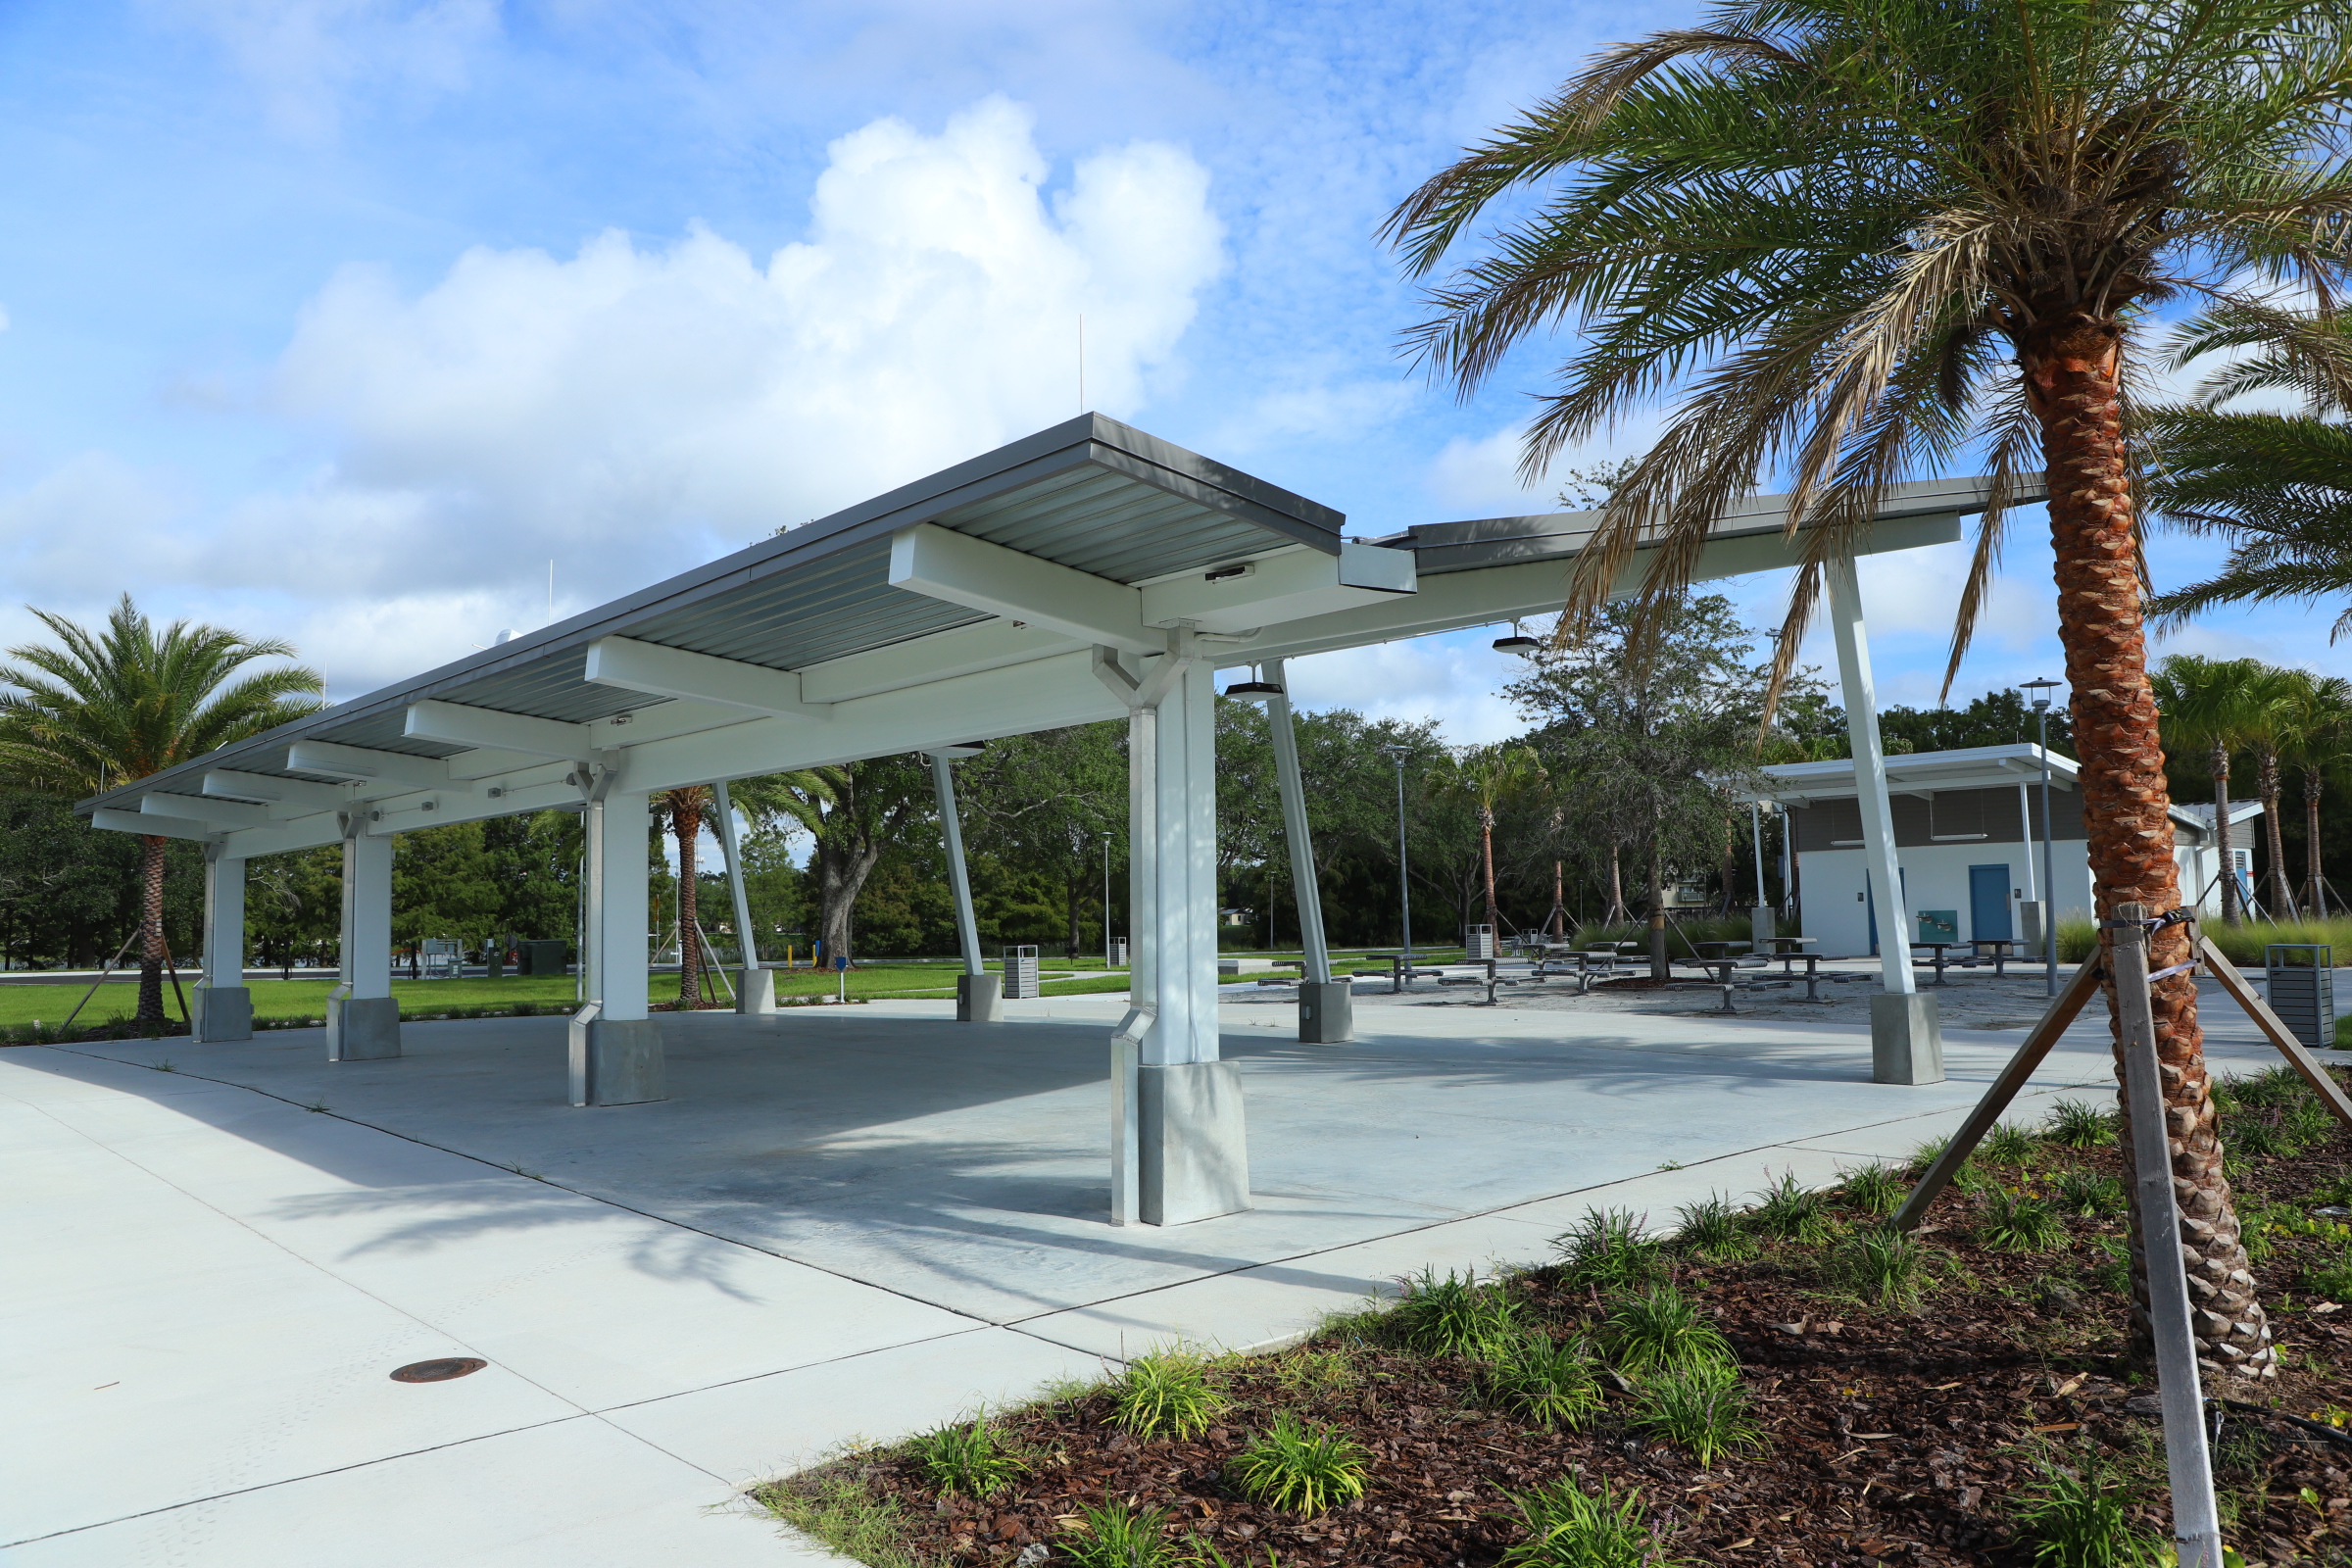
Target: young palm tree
<point>2271,699</point>
<point>684,809</point>
<point>2321,750</point>
<point>99,708</point>
<point>1853,239</point>
<point>2204,707</point>
<point>1485,778</point>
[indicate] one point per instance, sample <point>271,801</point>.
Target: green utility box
<point>543,958</point>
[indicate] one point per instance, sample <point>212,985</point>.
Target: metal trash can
<point>1118,953</point>
<point>2302,989</point>
<point>1020,972</point>
<point>1480,941</point>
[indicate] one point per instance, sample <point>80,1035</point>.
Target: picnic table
<point>1786,949</point>
<point>2003,950</point>
<point>1941,955</point>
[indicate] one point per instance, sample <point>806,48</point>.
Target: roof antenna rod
<point>551,590</point>
<point>1081,362</point>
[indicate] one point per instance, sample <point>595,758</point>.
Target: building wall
<point>1935,876</point>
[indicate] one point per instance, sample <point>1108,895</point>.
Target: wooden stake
<point>2197,1521</point>
<point>2321,1082</point>
<point>101,980</point>
<point>2039,1040</point>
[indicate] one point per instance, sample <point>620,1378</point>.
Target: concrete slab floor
<point>844,1222</point>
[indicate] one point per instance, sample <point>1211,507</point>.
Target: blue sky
<point>338,319</point>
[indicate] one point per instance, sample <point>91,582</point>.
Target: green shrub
<point>2269,1089</point>
<point>1715,1229</point>
<point>970,1459</point>
<point>1568,1527</point>
<point>1882,1263</point>
<point>1298,1468</point>
<point>1166,1394</point>
<point>1609,1249</point>
<point>2008,1143</point>
<point>2077,937</point>
<point>2078,1124</point>
<point>2089,1193</point>
<point>1661,1328</point>
<point>1702,1407</point>
<point>2082,1520</point>
<point>1549,1382</point>
<point>1789,1211</point>
<point>2013,1222</point>
<point>1115,1536</point>
<point>840,1508</point>
<point>2335,1190</point>
<point>2259,1135</point>
<point>2331,1277</point>
<point>1455,1315</point>
<point>1876,1189</point>
<point>1315,1369</point>
<point>1927,1154</point>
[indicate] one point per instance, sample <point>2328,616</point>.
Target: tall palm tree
<point>2321,750</point>
<point>1853,239</point>
<point>2204,707</point>
<point>99,708</point>
<point>1485,778</point>
<point>684,809</point>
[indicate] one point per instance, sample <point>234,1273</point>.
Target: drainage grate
<point>455,1366</point>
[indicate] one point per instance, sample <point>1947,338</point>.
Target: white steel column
<point>1906,1039</point>
<point>224,1007</point>
<point>1180,1146</point>
<point>1326,1007</point>
<point>617,1056</point>
<point>755,988</point>
<point>979,994</point>
<point>363,1020</point>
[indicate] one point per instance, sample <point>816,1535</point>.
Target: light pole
<point>1106,901</point>
<point>2041,690</point>
<point>1404,889</point>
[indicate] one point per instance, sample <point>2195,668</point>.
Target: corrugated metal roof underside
<point>829,609</point>
<point>1110,525</point>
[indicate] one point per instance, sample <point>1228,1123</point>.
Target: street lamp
<point>2039,691</point>
<point>1404,890</point>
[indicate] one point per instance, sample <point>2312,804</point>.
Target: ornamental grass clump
<point>2088,1194</point>
<point>2008,1143</point>
<point>1701,1408</point>
<point>969,1459</point>
<point>2083,1519</point>
<point>2076,1124</point>
<point>1568,1527</point>
<point>1455,1315</point>
<point>1549,1382</point>
<point>1115,1536</point>
<point>1609,1249</point>
<point>2013,1222</point>
<point>1299,1467</point>
<point>1661,1328</point>
<point>1881,1264</point>
<point>1876,1189</point>
<point>1166,1394</point>
<point>1715,1229</point>
<point>1789,1211</point>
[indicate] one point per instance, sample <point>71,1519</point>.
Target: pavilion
<point>1088,573</point>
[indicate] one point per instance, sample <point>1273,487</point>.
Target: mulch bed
<point>1896,1436</point>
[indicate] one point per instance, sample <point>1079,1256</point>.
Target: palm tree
<point>2320,748</point>
<point>684,809</point>
<point>2270,700</point>
<point>1484,777</point>
<point>1853,239</point>
<point>2203,701</point>
<point>101,708</point>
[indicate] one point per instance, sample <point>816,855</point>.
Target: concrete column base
<point>617,1062</point>
<point>755,992</point>
<point>1906,1039</point>
<point>218,1015</point>
<point>1326,1012</point>
<point>1192,1142</point>
<point>362,1028</point>
<point>979,998</point>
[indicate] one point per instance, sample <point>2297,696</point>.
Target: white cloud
<point>305,55</point>
<point>632,410</point>
<point>1455,680</point>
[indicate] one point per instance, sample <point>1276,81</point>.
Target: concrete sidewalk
<point>852,1222</point>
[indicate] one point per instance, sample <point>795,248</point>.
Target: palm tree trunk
<point>1485,850</point>
<point>151,928</point>
<point>2282,896</point>
<point>2314,883</point>
<point>1556,924</point>
<point>2219,765</point>
<point>1659,969</point>
<point>2071,371</point>
<point>1616,914</point>
<point>686,821</point>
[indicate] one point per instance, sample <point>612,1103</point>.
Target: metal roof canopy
<point>1926,773</point>
<point>971,603</point>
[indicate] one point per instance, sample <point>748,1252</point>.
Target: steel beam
<point>638,667</point>
<point>456,724</point>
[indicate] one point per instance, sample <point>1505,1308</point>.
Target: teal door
<point>1988,903</point>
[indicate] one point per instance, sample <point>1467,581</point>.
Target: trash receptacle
<point>2302,987</point>
<point>543,958</point>
<point>1480,941</point>
<point>1020,972</point>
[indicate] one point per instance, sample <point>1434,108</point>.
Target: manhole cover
<point>455,1366</point>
